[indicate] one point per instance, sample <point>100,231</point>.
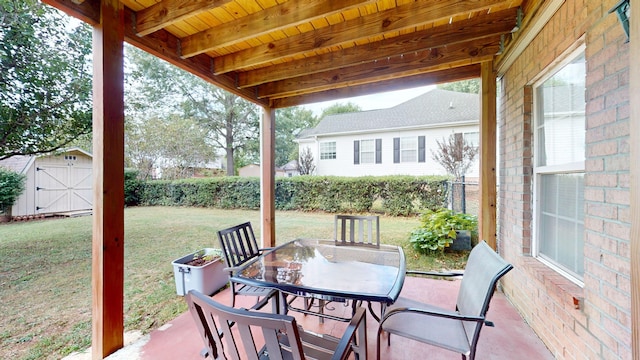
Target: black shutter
<point>421,149</point>
<point>396,150</point>
<point>378,151</point>
<point>356,152</point>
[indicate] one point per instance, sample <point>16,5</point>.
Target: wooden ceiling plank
<point>429,78</point>
<point>165,46</point>
<point>399,18</point>
<point>168,12</point>
<point>463,31</point>
<point>285,15</point>
<point>438,58</point>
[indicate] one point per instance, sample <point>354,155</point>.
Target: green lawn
<point>45,275</point>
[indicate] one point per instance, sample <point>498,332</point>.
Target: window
<point>409,149</point>
<point>473,138</point>
<point>559,140</point>
<point>367,151</point>
<point>327,150</point>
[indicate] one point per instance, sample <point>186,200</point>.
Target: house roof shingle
<point>432,108</point>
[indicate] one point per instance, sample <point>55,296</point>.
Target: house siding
<point>344,165</point>
<point>574,322</point>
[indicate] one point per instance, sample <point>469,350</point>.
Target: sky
<point>373,102</point>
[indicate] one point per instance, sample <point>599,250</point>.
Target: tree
<point>45,79</point>
<point>289,122</point>
<point>306,162</point>
<point>456,155</point>
<point>471,86</point>
<point>232,123</point>
<point>11,186</point>
<point>340,108</point>
<point>177,145</point>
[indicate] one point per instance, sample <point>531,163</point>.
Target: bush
<point>12,185</point>
<point>400,195</point>
<point>132,187</point>
<point>438,229</point>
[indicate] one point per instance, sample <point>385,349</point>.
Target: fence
<point>464,196</point>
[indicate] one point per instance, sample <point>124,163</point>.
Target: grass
<point>45,273</point>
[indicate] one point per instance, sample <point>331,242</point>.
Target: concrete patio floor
<point>511,338</point>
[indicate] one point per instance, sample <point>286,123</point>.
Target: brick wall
<point>574,322</point>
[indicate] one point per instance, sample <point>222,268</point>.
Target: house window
<point>472,138</point>
<point>409,149</point>
<point>559,140</point>
<point>367,151</point>
<point>327,150</point>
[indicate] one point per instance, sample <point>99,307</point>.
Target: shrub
<point>132,187</point>
<point>438,229</point>
<point>12,185</point>
<point>400,195</point>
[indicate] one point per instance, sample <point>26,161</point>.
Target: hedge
<point>398,195</point>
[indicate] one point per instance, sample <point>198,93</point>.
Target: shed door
<point>61,188</point>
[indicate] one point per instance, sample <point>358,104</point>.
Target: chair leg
<point>233,295</point>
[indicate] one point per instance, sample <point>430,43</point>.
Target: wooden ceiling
<point>280,53</point>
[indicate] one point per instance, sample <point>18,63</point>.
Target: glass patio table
<point>323,270</point>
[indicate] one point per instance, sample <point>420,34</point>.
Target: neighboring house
<point>56,183</point>
<point>394,141</point>
<point>289,169</point>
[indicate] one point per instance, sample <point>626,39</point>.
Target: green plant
<point>438,229</point>
<point>11,186</point>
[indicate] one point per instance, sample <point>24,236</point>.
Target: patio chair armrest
<point>344,346</point>
<point>232,269</point>
<point>431,312</point>
<point>435,273</point>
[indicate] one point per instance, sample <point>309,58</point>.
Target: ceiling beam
<point>165,46</point>
<point>429,78</point>
<point>430,60</point>
<point>88,11</point>
<point>501,22</point>
<point>168,12</point>
<point>358,29</point>
<point>279,17</point>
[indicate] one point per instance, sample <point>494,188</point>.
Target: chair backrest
<point>238,244</point>
<point>484,268</point>
<point>214,322</point>
<point>357,230</point>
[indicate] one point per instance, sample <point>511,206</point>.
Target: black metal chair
<point>284,339</point>
<point>239,245</point>
<point>456,330</point>
<point>357,230</point>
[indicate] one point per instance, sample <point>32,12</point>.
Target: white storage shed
<point>57,183</point>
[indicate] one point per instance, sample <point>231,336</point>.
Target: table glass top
<point>320,268</point>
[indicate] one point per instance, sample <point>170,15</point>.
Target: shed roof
<point>20,163</point>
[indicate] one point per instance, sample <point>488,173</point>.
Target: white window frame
<point>414,142</point>
<point>476,135</point>
<point>538,171</point>
<point>328,150</point>
<point>368,152</point>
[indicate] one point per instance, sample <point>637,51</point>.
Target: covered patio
<point>285,53</point>
<point>511,337</point>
